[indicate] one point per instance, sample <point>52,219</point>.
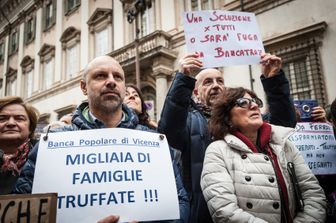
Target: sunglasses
<point>246,102</point>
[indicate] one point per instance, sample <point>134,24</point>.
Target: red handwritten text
<point>247,37</point>
<point>214,38</point>
<point>220,27</point>
<point>236,53</point>
<point>193,19</point>
<point>225,17</point>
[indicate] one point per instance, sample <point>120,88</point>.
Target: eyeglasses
<point>246,102</point>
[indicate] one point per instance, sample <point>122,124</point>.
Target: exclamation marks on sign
<point>151,195</point>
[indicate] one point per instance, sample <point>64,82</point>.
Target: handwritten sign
<point>223,38</point>
<point>28,208</point>
<point>101,172</point>
<point>317,144</point>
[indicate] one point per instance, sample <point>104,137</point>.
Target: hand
<point>190,64</point>
<point>270,65</point>
<point>109,219</point>
<point>318,114</point>
<point>112,219</point>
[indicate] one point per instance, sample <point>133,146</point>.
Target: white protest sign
<point>101,172</point>
<point>223,38</point>
<point>317,144</point>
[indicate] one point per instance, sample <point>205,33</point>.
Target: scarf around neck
<point>263,139</point>
<point>204,108</point>
<point>14,162</point>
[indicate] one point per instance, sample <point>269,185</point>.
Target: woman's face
<point>133,100</point>
<point>247,118</point>
<point>14,125</point>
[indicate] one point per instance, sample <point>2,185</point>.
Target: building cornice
<point>313,30</point>
<point>100,14</point>
<point>255,6</point>
<point>56,89</point>
<point>26,61</point>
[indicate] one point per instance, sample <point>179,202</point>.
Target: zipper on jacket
<point>296,186</point>
<point>283,210</point>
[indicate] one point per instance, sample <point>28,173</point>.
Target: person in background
<point>67,118</point>
<point>318,114</point>
<point>104,84</point>
<point>63,121</point>
<point>331,193</point>
<point>333,114</point>
<point>252,172</point>
<point>327,181</point>
<point>328,112</point>
<point>17,125</point>
<point>185,121</point>
<point>134,99</point>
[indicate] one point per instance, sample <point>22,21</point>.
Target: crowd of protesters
<point>237,164</point>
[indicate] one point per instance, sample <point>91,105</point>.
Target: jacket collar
<point>279,135</point>
<point>82,120</point>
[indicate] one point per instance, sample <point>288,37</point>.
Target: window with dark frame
<point>300,53</point>
<point>70,6</point>
<point>200,5</point>
<point>30,30</point>
<point>303,70</point>
<point>2,52</point>
<point>146,21</point>
<point>13,43</point>
<point>49,12</point>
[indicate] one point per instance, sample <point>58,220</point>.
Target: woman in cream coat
<point>250,172</point>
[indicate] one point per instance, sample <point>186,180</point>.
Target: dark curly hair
<point>219,124</point>
<point>333,110</point>
<point>143,116</point>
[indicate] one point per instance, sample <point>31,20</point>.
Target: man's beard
<point>107,104</point>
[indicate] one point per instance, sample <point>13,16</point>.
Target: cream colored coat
<point>239,188</point>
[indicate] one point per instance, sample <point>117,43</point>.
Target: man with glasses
<point>185,121</point>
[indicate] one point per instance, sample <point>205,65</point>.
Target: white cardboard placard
<point>223,38</point>
<point>101,172</point>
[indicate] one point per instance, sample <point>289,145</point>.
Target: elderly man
<point>185,121</point>
<point>104,84</point>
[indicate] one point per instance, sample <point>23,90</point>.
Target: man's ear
<point>83,87</point>
<point>195,92</point>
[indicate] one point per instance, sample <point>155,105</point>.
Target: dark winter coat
<point>79,122</point>
<point>186,129</point>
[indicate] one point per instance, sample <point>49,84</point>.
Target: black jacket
<point>186,129</point>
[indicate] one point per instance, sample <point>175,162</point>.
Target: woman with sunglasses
<point>253,173</point>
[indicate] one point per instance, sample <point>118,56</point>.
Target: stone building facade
<point>46,44</point>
